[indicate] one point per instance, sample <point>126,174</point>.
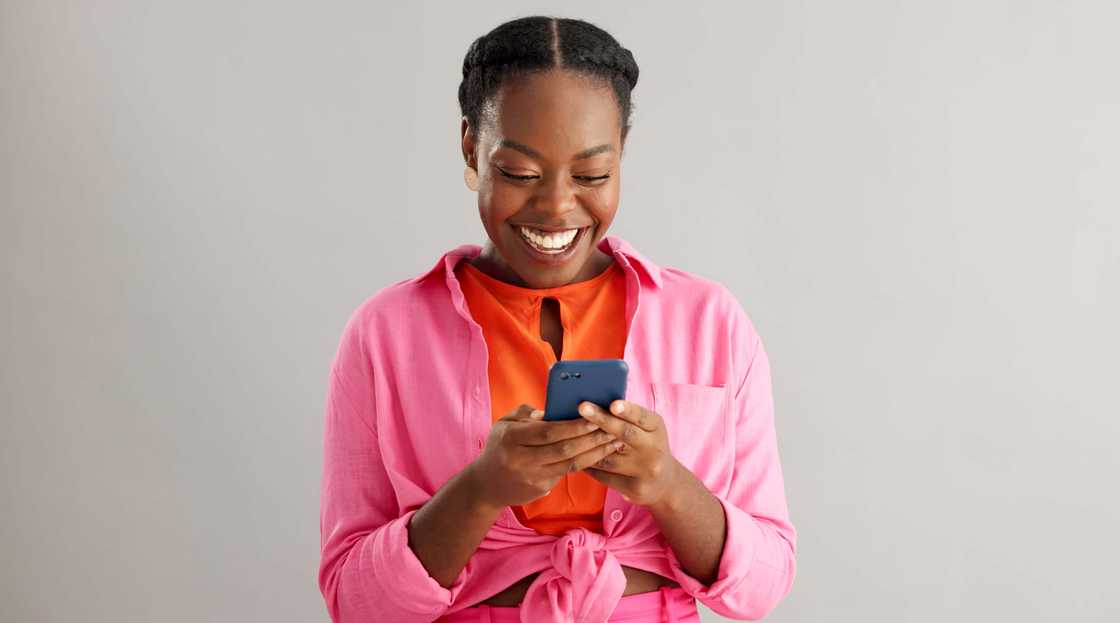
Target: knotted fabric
<point>584,584</point>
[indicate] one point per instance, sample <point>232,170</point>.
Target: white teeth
<point>548,241</point>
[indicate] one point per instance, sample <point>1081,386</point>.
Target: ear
<point>468,141</point>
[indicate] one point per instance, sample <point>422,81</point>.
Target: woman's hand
<point>526,456</point>
<point>644,471</point>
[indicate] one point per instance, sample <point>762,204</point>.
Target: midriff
<point>637,581</point>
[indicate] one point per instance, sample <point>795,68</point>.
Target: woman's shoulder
<point>403,307</point>
<point>680,286</point>
<point>681,281</point>
<point>702,300</point>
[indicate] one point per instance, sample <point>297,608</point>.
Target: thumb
<point>537,414</point>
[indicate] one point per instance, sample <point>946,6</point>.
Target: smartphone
<point>572,381</point>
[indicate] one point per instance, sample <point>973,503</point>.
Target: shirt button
<point>616,515</point>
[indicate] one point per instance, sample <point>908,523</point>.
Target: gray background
<point>916,202</point>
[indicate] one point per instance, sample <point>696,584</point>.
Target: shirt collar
<point>622,251</point>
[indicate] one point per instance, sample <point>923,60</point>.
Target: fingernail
<point>537,413</point>
<point>616,407</point>
<point>585,409</point>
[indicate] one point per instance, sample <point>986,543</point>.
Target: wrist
<point>477,493</point>
<point>676,491</point>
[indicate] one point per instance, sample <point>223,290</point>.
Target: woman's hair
<point>536,44</point>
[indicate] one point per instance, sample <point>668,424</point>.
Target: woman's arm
<point>733,551</point>
<point>445,532</point>
<point>383,563</point>
<point>757,566</point>
<point>368,571</point>
<point>693,523</point>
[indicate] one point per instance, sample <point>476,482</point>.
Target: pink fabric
<point>407,408</point>
<point>665,605</point>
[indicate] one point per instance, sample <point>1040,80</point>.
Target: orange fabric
<point>592,314</point>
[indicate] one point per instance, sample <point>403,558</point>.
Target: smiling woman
<point>546,109</point>
<point>445,495</point>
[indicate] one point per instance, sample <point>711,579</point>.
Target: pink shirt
<point>408,407</point>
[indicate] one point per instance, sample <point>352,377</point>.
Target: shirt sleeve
<point>367,570</point>
<point>757,567</point>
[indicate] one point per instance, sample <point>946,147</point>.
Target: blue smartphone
<point>572,381</point>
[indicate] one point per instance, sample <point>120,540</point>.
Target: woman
<point>445,495</point>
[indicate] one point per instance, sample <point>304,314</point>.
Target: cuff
<point>402,578</point>
<point>740,544</point>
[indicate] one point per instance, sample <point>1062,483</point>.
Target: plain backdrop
<point>916,202</point>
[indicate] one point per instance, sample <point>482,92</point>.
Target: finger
<point>617,482</point>
<point>581,460</point>
<point>614,425</point>
<point>635,414</point>
<point>542,432</point>
<point>521,412</point>
<point>566,449</point>
<point>617,462</point>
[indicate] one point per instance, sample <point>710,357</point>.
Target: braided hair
<point>536,44</point>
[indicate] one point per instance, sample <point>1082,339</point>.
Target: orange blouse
<point>592,314</point>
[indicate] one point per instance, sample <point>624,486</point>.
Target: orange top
<point>592,314</point>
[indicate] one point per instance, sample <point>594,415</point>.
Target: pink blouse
<point>408,407</point>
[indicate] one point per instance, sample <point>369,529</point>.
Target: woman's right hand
<point>525,456</point>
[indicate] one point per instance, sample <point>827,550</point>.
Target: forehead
<point>556,112</point>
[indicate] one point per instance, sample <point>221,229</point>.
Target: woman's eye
<point>515,177</point>
<point>525,178</point>
<point>587,178</point>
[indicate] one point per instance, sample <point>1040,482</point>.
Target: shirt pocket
<point>698,422</point>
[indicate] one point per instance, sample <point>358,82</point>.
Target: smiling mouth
<point>549,242</point>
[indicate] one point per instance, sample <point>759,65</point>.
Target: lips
<point>548,241</point>
<point>536,246</point>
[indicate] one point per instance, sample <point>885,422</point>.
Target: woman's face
<point>560,134</point>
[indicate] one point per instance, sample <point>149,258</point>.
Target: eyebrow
<point>529,151</point>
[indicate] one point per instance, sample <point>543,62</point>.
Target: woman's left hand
<point>643,470</point>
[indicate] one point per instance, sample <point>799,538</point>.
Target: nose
<point>555,197</point>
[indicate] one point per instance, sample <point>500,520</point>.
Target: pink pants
<point>668,604</point>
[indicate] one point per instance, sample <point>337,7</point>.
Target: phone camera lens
<point>563,375</point>
<point>575,374</point>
